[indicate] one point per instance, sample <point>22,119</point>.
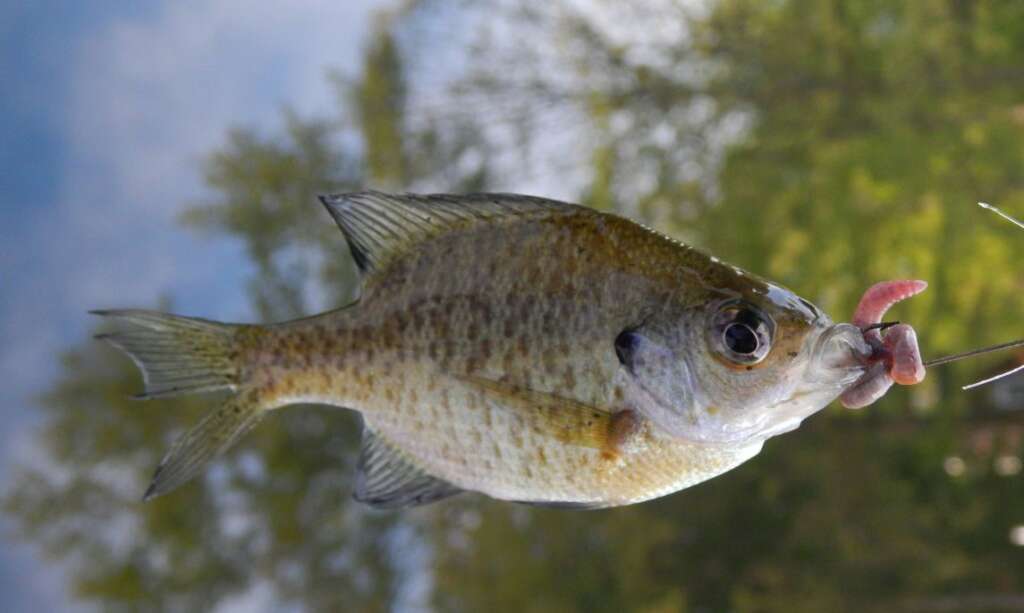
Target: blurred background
<point>168,155</point>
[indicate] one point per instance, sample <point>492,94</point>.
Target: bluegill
<point>527,349</point>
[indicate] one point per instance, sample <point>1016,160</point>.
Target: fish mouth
<point>840,356</point>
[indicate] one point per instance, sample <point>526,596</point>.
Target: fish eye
<point>741,333</point>
<point>739,338</point>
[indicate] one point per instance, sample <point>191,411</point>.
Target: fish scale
<point>430,325</point>
<point>484,355</point>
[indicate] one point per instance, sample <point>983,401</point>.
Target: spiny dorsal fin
<point>387,480</point>
<point>380,227</point>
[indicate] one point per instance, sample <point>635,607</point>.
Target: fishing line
<point>995,378</point>
<point>970,354</point>
<point>967,354</point>
<point>996,210</point>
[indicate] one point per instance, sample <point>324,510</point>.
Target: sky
<point>106,113</point>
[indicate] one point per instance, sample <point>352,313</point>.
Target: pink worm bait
<point>896,358</point>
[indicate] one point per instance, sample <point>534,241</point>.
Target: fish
<point>527,349</point>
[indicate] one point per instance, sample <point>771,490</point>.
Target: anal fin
<point>387,479</point>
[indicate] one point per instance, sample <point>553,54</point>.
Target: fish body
<point>531,350</point>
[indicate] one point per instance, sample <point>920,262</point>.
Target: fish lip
<point>841,354</point>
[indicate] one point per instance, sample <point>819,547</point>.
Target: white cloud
<point>151,98</point>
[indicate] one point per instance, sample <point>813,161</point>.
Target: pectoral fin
<point>570,421</point>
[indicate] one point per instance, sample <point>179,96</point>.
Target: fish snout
<point>844,347</point>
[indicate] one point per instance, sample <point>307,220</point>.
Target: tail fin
<point>212,436</point>
<point>177,355</point>
<point>184,355</point>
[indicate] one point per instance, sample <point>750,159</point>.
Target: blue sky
<point>106,112</point>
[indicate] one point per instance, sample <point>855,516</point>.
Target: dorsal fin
<point>387,480</point>
<point>380,227</point>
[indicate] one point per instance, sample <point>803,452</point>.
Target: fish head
<point>743,365</point>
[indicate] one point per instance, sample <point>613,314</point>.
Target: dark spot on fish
<point>549,362</point>
<point>750,368</point>
<point>523,309</point>
<point>626,344</point>
<point>570,378</point>
<point>793,354</point>
<point>550,324</point>
<point>508,362</point>
<point>484,308</point>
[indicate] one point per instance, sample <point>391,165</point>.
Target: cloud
<point>151,98</point>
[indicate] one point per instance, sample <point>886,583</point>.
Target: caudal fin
<point>177,355</point>
<point>213,435</point>
<point>185,355</point>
